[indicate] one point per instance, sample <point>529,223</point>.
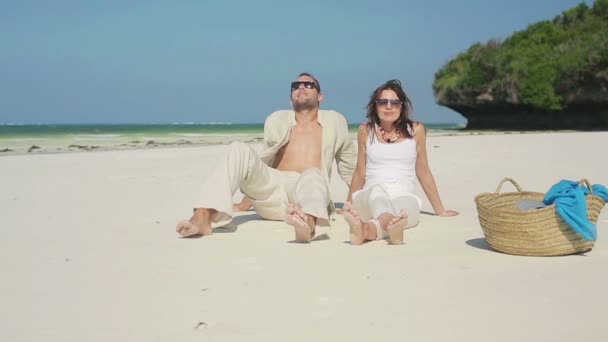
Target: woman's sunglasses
<point>385,102</point>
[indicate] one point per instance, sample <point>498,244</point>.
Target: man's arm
<point>346,156</point>
<point>359,176</point>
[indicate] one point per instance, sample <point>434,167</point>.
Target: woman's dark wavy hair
<point>404,122</point>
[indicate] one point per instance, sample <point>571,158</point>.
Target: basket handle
<point>584,181</point>
<point>510,180</point>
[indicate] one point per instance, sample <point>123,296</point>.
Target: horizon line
<point>167,123</point>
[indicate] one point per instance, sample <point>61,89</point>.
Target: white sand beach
<point>89,253</point>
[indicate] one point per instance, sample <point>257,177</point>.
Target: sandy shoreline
<point>89,253</point>
<point>109,142</point>
<point>101,143</point>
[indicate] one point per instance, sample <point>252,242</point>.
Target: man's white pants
<point>270,190</point>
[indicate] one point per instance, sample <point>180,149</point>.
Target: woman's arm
<point>359,176</point>
<point>423,172</point>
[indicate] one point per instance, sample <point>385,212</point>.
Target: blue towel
<point>571,205</point>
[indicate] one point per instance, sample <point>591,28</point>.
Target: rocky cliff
<point>552,75</point>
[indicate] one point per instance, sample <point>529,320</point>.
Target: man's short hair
<point>313,78</point>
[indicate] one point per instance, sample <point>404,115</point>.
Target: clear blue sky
<point>232,61</point>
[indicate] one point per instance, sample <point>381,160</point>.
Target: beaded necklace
<point>389,138</point>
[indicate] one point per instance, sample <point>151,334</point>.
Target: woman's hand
<point>447,213</point>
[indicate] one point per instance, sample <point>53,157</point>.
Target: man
<point>290,180</point>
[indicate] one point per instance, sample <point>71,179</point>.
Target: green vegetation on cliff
<point>551,66</point>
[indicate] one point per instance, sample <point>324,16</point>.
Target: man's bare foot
<point>354,222</point>
<point>301,223</point>
<point>199,223</point>
<point>395,229</point>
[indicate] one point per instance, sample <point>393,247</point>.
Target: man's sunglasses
<point>307,84</point>
<point>385,102</point>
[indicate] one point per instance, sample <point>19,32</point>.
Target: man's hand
<point>243,206</point>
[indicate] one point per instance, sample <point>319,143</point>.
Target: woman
<point>392,153</point>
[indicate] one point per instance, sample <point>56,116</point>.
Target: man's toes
<point>295,208</point>
<point>186,228</point>
<point>298,219</point>
<point>294,219</point>
<point>299,211</point>
<point>180,226</point>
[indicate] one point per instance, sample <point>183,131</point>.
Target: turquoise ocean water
<point>62,137</point>
<point>35,130</point>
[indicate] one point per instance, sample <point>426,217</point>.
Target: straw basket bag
<point>537,232</point>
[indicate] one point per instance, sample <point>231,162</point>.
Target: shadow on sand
<point>233,226</point>
<point>480,243</point>
<point>320,237</point>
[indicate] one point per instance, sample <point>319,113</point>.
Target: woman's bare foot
<point>395,229</point>
<point>354,222</point>
<point>305,231</point>
<point>199,223</point>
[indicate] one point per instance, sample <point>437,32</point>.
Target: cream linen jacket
<point>337,145</point>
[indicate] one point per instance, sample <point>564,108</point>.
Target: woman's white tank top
<point>394,162</point>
